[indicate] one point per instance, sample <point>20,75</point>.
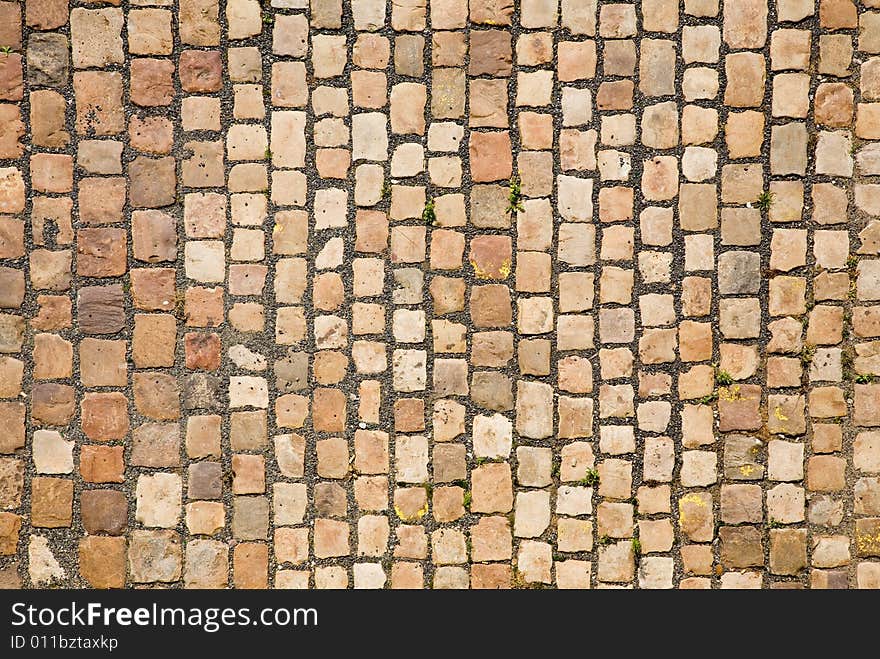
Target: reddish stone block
<point>55,312</point>
<point>157,395</point>
<point>104,416</point>
<point>52,404</point>
<point>154,236</point>
<point>101,252</point>
<point>12,416</point>
<point>491,158</point>
<point>99,108</point>
<point>151,134</point>
<point>153,289</point>
<point>11,288</point>
<point>739,407</point>
<point>490,53</point>
<point>101,200</point>
<point>202,351</point>
<point>103,363</point>
<point>204,307</point>
<point>11,131</point>
<point>153,182</point>
<point>250,565</point>
<point>328,410</point>
<point>201,71</point>
<point>151,82</point>
<point>492,576</point>
<point>490,306</point>
<point>155,445</point>
<point>154,340</point>
<point>46,14</point>
<point>102,464</point>
<point>51,172</point>
<point>10,526</point>
<point>409,415</point>
<point>10,77</point>
<point>11,237</point>
<point>491,257</point>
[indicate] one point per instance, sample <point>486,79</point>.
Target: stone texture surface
<point>562,294</point>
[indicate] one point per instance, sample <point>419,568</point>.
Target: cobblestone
<point>569,295</point>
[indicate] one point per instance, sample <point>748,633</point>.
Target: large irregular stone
<point>46,14</point>
<point>47,60</point>
<point>96,36</point>
<point>154,556</point>
<point>43,568</point>
<point>199,22</point>
<point>745,23</point>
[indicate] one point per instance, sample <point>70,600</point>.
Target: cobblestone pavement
<point>554,293</point>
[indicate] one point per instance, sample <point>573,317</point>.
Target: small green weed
<point>591,478</point>
<point>807,354</point>
<point>765,200</point>
<point>708,399</point>
<point>429,216</point>
<point>514,196</point>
